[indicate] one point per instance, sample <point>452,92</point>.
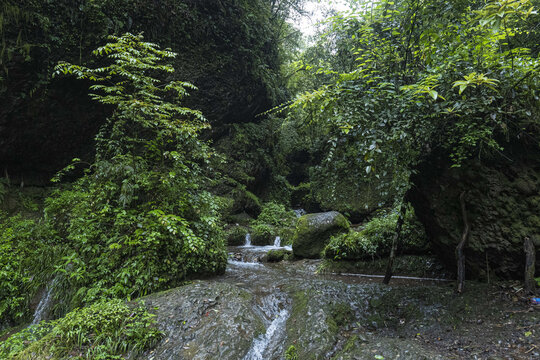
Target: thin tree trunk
<point>530,259</point>
<point>395,244</point>
<point>459,249</point>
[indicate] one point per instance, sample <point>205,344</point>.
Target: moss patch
<point>278,255</point>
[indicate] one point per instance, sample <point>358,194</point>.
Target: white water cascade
<point>248,240</point>
<point>277,242</point>
<point>269,344</point>
<point>45,303</point>
<point>299,212</point>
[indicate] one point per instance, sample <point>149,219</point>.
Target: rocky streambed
<point>265,310</point>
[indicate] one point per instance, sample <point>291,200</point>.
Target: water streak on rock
<point>45,304</point>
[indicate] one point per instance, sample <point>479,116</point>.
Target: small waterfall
<point>248,240</point>
<point>277,242</point>
<point>299,212</point>
<point>269,344</point>
<point>45,303</point>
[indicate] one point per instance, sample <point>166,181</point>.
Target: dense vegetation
<point>393,95</point>
<point>104,330</point>
<point>183,146</point>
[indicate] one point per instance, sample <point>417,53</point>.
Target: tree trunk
<point>459,249</point>
<point>395,244</point>
<point>530,259</point>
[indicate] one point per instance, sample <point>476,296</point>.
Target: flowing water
<point>270,285</point>
<point>299,212</point>
<point>257,310</point>
<point>45,303</point>
<point>271,302</point>
<point>248,240</point>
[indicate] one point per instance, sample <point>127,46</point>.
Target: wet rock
<point>383,348</point>
<point>204,320</point>
<point>237,256</point>
<point>313,231</point>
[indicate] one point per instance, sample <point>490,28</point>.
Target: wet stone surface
<point>259,310</point>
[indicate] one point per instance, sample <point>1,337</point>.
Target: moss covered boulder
<point>502,202</point>
<point>313,232</point>
<point>236,235</point>
<point>277,255</point>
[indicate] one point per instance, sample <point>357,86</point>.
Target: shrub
<point>28,252</point>
<point>349,246</point>
<point>262,235</point>
<point>237,236</point>
<point>105,330</point>
<point>276,215</point>
<point>16,343</point>
<point>375,239</point>
<point>139,220</point>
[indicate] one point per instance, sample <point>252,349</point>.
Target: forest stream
<point>156,158</point>
<point>261,310</point>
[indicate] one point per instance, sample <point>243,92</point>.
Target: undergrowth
<point>105,330</point>
<point>375,239</point>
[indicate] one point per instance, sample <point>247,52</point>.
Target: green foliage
<point>105,330</point>
<point>236,236</point>
<point>139,220</point>
<point>234,58</point>
<point>291,353</point>
<point>28,251</point>
<point>274,220</point>
<point>352,245</point>
<point>18,342</point>
<point>262,234</point>
<point>375,239</point>
<point>246,167</point>
<point>244,200</point>
<point>276,215</point>
<point>410,79</point>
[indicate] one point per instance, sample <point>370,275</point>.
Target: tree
<point>139,220</point>
<point>425,81</point>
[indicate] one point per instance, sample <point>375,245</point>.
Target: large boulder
<point>313,232</point>
<point>502,202</point>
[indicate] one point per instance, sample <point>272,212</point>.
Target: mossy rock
<point>262,235</point>
<point>236,236</point>
<point>313,232</point>
<point>278,255</point>
<point>500,219</point>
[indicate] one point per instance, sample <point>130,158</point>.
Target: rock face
<point>503,207</point>
<point>204,321</point>
<point>313,232</point>
<point>331,318</point>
